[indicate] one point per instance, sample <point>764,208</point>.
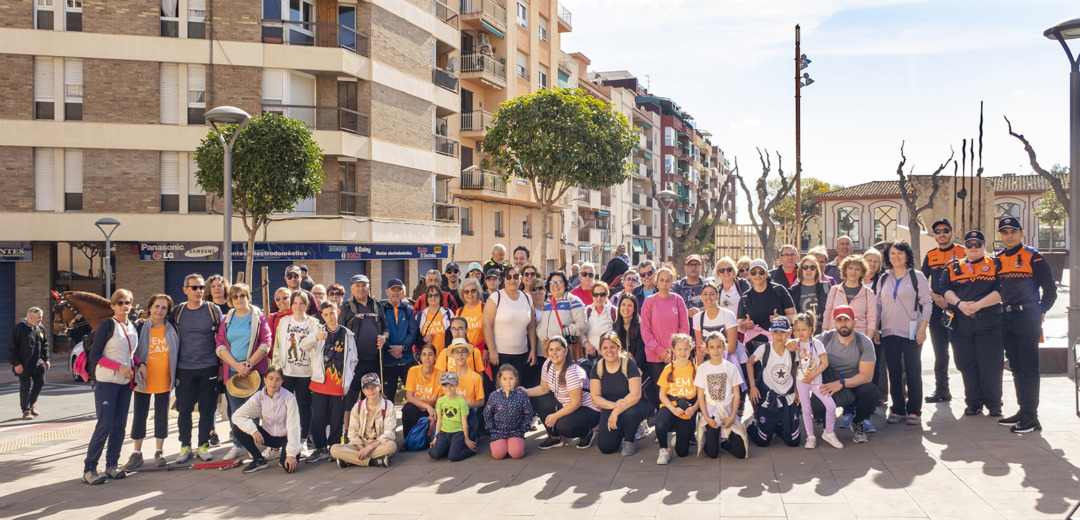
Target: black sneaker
<point>551,442</point>
<point>214,440</point>
<point>973,410</point>
<point>1026,426</point>
<point>256,465</point>
<point>342,464</point>
<point>938,397</point>
<point>995,412</point>
<point>380,462</point>
<point>318,455</point>
<point>1010,420</point>
<point>585,442</point>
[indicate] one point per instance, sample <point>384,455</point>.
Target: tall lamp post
<point>107,225</point>
<point>801,62</point>
<point>228,116</point>
<point>667,201</point>
<point>1068,30</point>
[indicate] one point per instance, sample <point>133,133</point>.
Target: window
<point>44,106</point>
<point>196,19</point>
<point>669,163</point>
<point>542,75</point>
<point>73,15</point>
<point>466,220</point>
<point>44,179</point>
<point>847,223</point>
<point>302,33</point>
<point>196,195</point>
<point>523,15</point>
<point>1002,210</point>
<point>169,19</point>
<point>196,94</point>
<point>170,93</point>
<point>543,29</point>
<point>884,223</point>
<point>347,27</point>
<point>522,65</point>
<point>498,223</point>
<point>73,89</point>
<point>43,14</point>
<point>170,182</point>
<point>526,229</point>
<point>350,202</point>
<point>669,136</point>
<point>73,180</point>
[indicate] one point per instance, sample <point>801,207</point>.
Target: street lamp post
<point>667,201</point>
<point>801,62</point>
<point>1067,30</point>
<point>228,116</point>
<point>107,225</point>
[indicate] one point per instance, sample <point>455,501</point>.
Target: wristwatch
<point>843,383</point>
<point>248,365</point>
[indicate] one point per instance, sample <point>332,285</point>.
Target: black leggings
<point>649,386</point>
<point>327,410</point>
<point>684,430</point>
<point>609,441</point>
<point>734,444</point>
<point>301,388</point>
<point>142,410</point>
<point>575,425</point>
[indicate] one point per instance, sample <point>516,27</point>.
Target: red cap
<point>692,258</point>
<point>843,310</point>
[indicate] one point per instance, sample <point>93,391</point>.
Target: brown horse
<point>76,305</point>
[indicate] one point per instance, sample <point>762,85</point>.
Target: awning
<point>646,125</point>
<point>648,155</point>
<point>603,213</point>
<point>648,245</point>
<point>492,29</point>
<point>584,248</point>
<point>637,245</point>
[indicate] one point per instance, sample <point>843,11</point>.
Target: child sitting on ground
<point>508,415</point>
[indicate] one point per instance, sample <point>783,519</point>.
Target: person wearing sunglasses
<point>630,280</point>
<point>452,285</point>
<point>933,264</point>
<point>599,318</point>
<point>788,273</point>
<point>292,281</point>
<point>197,367</point>
<point>764,301</point>
<point>647,271</point>
<point>318,292</point>
<point>242,344</point>
<point>586,279</point>
<point>509,327</point>
<point>742,268</point>
<point>809,293</point>
<point>563,314</point>
<point>336,294</point>
<point>433,278</point>
<point>972,288</point>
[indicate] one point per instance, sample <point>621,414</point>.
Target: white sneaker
<point>811,442</point>
<point>236,452</point>
<point>833,441</point>
<point>665,456</point>
<point>642,430</point>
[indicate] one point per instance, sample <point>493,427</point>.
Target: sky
<point>885,72</point>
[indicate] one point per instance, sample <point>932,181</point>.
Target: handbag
<point>576,350</point>
<point>844,397</point>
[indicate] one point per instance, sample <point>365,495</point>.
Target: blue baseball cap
<point>780,323</point>
<point>1010,222</point>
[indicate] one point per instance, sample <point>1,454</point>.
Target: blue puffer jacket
<point>402,329</point>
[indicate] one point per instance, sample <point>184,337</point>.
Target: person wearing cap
<point>460,330</point>
<point>616,267</point>
<point>933,264</point>
<point>293,275</point>
<point>452,285</point>
<point>333,369</point>
<point>770,373</point>
<point>904,309</point>
<point>690,286</point>
<point>278,414</point>
<point>972,288</point>
<point>758,306</point>
<point>492,282</point>
<point>306,283</point>
<point>364,316</point>
<point>497,261</point>
<point>475,271</point>
<point>372,430</point>
<point>452,429</point>
<point>851,355</point>
<point>1023,274</point>
<point>470,384</point>
<point>786,274</point>
<point>397,352</point>
<point>574,278</point>
<point>844,247</point>
<point>243,340</point>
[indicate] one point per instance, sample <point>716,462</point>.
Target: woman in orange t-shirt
<point>158,348</point>
<point>422,389</point>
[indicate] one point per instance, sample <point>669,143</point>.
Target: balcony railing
<point>446,146</point>
<point>447,212</point>
<point>444,79</point>
<point>444,13</point>
<point>314,34</point>
<point>642,199</point>
<point>648,144</point>
<point>336,119</point>
<point>605,198</point>
<point>643,231</point>
<point>477,179</point>
<point>566,65</point>
<point>475,121</point>
<point>483,63</point>
<point>584,194</point>
<point>523,73</point>
<point>564,16</point>
<point>487,9</point>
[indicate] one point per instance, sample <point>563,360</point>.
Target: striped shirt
<point>575,379</point>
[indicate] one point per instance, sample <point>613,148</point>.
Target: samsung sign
<point>203,251</point>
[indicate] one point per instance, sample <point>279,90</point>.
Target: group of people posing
<point>596,361</point>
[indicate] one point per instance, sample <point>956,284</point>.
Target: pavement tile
<point>1027,504</point>
<point>693,511</point>
<point>407,503</point>
<point>818,511</point>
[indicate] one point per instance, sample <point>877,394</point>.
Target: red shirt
<point>586,296</point>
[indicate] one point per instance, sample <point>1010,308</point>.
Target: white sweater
<point>278,415</point>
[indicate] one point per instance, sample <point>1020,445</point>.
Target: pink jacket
<point>260,338</point>
<point>865,305</point>
<point>662,318</point>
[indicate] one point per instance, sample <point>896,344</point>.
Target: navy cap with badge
<point>974,234</point>
<point>780,323</point>
<point>1010,222</point>
<point>941,221</point>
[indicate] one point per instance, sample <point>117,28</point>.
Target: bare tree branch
<point>1055,183</point>
<point>910,195</point>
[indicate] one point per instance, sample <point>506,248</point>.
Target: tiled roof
<point>1019,183</point>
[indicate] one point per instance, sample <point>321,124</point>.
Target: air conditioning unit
<point>483,38</point>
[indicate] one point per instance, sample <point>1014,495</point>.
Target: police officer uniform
<point>976,339</point>
<point>1023,273</point>
<point>933,263</point>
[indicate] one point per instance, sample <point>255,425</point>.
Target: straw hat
<point>460,343</point>
<point>240,386</point>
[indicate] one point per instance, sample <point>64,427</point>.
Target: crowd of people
<point>490,354</point>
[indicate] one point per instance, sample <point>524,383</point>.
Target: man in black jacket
<point>28,353</point>
<point>365,317</point>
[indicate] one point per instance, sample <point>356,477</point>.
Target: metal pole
<point>108,265</point>
<point>1074,206</point>
<point>798,144</point>
<point>226,256</point>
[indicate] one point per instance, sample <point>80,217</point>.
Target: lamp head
<point>1065,29</point>
<point>107,225</point>
<point>227,115</point>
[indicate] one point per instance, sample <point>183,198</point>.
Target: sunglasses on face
<point>725,270</point>
<point>123,303</point>
<point>599,295</point>
<point>530,275</point>
<point>631,280</point>
<point>647,274</point>
<point>694,264</point>
<point>974,245</point>
<point>809,267</point>
<point>586,275</point>
<point>240,297</point>
<point>470,291</point>
<point>538,289</point>
<point>196,287</point>
<point>292,276</point>
<point>742,270</point>
<point>452,271</point>
<point>513,277</point>
<point>942,231</point>
<point>282,299</point>
<point>757,272</point>
<point>336,293</point>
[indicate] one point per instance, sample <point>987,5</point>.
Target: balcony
<point>584,194</point>
<point>523,73</point>
<point>314,34</point>
<point>566,65</point>
<point>642,199</point>
<point>473,178</point>
<point>445,13</point>
<point>446,146</point>
<point>564,19</point>
<point>335,119</point>
<point>475,121</point>
<point>446,80</point>
<point>447,212</point>
<point>649,144</point>
<point>487,11</point>
<point>485,68</point>
<point>643,231</point>
<point>605,197</point>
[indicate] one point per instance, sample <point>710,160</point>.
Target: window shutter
<point>44,173</point>
<point>73,80</point>
<point>73,171</point>
<point>43,78</point>
<point>273,86</point>
<point>193,184</point>
<point>196,73</point>
<point>170,173</point>
<point>170,93</point>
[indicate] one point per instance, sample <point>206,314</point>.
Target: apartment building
<point>103,108</point>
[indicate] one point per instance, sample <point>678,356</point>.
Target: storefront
<point>10,253</point>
